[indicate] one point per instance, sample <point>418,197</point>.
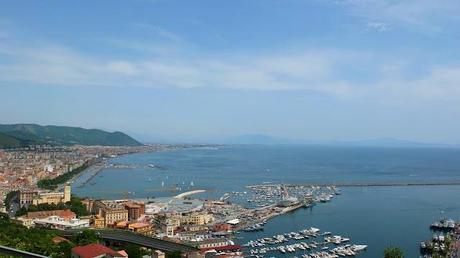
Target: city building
<point>168,223</point>
<point>135,210</point>
<point>26,197</point>
<point>194,228</point>
<point>56,222</point>
<point>35,197</point>
<point>98,222</point>
<point>96,251</point>
<point>65,214</point>
<point>53,197</point>
<point>26,222</point>
<point>140,227</point>
<point>111,212</point>
<point>222,227</point>
<point>196,218</point>
<point>214,243</point>
<point>158,254</point>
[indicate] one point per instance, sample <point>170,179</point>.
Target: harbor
<point>347,212</point>
<point>445,241</point>
<point>307,243</point>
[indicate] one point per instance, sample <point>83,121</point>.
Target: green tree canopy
<point>393,252</point>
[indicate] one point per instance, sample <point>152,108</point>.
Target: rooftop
<point>94,250</point>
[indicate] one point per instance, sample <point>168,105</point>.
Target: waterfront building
<point>222,227</point>
<point>212,243</point>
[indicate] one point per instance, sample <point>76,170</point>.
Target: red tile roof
<point>93,250</point>
<point>223,248</point>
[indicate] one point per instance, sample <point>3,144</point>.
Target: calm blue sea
<point>376,216</point>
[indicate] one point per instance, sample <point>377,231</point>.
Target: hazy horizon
<point>310,70</point>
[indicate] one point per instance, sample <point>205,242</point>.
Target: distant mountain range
<point>21,135</point>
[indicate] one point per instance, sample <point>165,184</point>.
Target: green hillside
<point>7,141</point>
<point>17,135</point>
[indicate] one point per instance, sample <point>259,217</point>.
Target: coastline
<point>99,165</point>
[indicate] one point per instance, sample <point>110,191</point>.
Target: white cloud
<point>318,70</point>
<point>123,68</point>
<point>424,15</point>
<point>440,83</point>
<point>378,26</point>
<point>58,65</point>
<point>158,30</point>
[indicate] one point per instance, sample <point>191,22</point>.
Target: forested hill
<point>20,135</point>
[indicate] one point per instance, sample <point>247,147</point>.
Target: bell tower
<point>67,193</point>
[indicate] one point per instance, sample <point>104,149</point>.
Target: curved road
<point>138,239</point>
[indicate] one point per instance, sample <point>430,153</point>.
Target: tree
<point>65,248</point>
<point>33,240</point>
<point>133,251</point>
<point>9,197</point>
<point>21,211</point>
<point>52,184</point>
<point>175,254</point>
<point>393,252</point>
<point>87,236</point>
<point>74,205</point>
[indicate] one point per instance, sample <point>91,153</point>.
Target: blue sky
<point>300,69</point>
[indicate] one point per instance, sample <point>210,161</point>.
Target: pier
<point>182,195</point>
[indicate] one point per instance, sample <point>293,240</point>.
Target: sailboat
<point>191,183</point>
<point>162,183</point>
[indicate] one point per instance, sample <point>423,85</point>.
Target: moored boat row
<point>321,245</point>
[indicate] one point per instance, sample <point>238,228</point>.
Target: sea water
<point>375,216</point>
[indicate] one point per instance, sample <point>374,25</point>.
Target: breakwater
<point>372,184</point>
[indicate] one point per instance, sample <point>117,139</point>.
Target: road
<point>138,239</point>
<point>14,206</point>
<point>12,252</point>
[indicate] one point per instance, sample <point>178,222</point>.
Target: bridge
<point>8,251</point>
<point>141,240</point>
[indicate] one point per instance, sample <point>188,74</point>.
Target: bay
<point>376,216</point>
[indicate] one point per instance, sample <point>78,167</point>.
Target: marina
<point>307,243</point>
<point>444,242</point>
